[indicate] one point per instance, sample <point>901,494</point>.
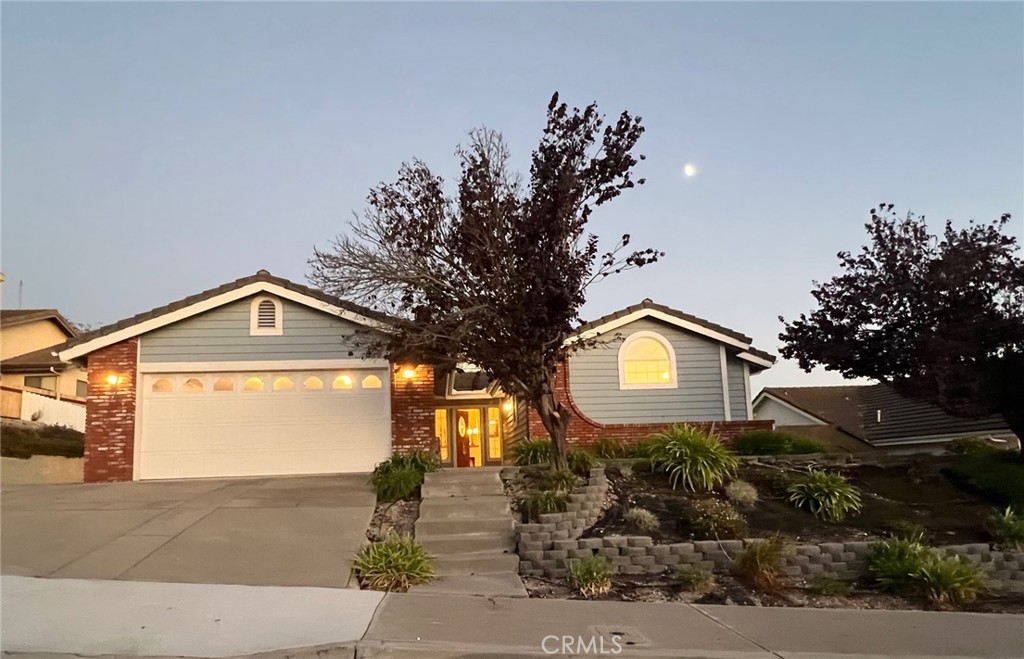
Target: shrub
<point>910,568</point>
<point>562,480</point>
<point>741,492</point>
<point>399,476</point>
<point>581,461</point>
<point>828,496</point>
<point>711,519</point>
<point>971,446</point>
<point>533,452</point>
<point>393,564</point>
<point>23,442</point>
<point>998,477</point>
<point>830,587</point>
<point>609,449</point>
<point>760,566</point>
<point>773,442</point>
<point>642,451</point>
<point>642,520</point>
<point>545,501</point>
<point>695,579</point>
<point>894,562</point>
<point>692,458</point>
<point>591,576</point>
<point>950,581</point>
<point>1008,528</point>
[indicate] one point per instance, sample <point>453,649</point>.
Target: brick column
<point>110,413</point>
<point>412,410</point>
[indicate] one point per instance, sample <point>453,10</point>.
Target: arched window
<point>162,386</point>
<point>192,386</point>
<point>342,382</point>
<point>283,384</point>
<point>253,384</point>
<point>313,382</point>
<point>647,361</point>
<point>265,317</point>
<point>224,384</point>
<point>372,382</point>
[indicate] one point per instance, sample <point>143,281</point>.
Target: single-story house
<point>262,376</point>
<point>872,417</point>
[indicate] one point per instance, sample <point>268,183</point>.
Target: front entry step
<point>464,543</point>
<point>476,563</point>
<point>507,584</point>
<point>465,507</point>
<point>469,488</point>
<point>444,525</point>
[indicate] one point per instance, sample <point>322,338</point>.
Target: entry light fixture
<point>113,379</point>
<point>507,406</point>
<point>408,372</point>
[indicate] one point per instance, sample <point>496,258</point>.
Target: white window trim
<point>254,317</point>
<point>646,334</point>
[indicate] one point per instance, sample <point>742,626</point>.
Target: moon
<point>689,169</point>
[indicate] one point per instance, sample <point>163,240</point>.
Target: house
<point>871,417</point>
<point>27,361</point>
<point>264,376</point>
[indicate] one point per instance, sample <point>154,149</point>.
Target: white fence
<point>50,411</point>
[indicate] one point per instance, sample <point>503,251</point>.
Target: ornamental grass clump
<point>545,501</point>
<point>696,580</point>
<point>532,452</point>
<point>1008,528</point>
<point>642,520</point>
<point>762,564</point>
<point>400,476</point>
<point>393,564</point>
<point>828,496</point>
<point>561,480</point>
<point>712,519</point>
<point>609,449</point>
<point>907,567</point>
<point>741,493</point>
<point>691,458</point>
<point>591,576</point>
<point>581,461</point>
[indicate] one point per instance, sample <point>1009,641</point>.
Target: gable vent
<point>266,314</point>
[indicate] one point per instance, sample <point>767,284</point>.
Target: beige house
<point>27,362</point>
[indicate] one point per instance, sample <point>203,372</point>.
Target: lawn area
<point>23,442</point>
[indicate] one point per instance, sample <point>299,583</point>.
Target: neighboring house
<point>264,376</point>
<point>27,339</point>
<point>870,417</point>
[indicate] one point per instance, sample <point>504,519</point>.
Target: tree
<point>941,318</point>
<point>496,275</point>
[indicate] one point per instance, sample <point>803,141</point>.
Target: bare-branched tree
<point>496,275</point>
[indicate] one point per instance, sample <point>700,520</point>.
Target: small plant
<point>1008,528</point>
<point>828,496</point>
<point>399,476</point>
<point>830,587</point>
<point>692,458</point>
<point>545,501</point>
<point>533,452</point>
<point>894,562</point>
<point>711,519</point>
<point>971,446</point>
<point>761,565</point>
<point>642,451</point>
<point>393,564</point>
<point>741,492</point>
<point>697,580</point>
<point>773,442</point>
<point>609,449</point>
<point>910,568</point>
<point>642,520</point>
<point>950,581</point>
<point>591,576</point>
<point>559,481</point>
<point>581,461</point>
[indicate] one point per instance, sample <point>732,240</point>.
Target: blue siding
<point>737,397</point>
<point>222,335</point>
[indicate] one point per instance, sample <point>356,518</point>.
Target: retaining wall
<point>41,469</point>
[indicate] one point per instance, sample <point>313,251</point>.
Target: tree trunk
<point>1015,419</point>
<point>1009,393</point>
<point>555,418</point>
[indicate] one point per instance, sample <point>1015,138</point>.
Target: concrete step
<point>466,475</point>
<point>483,585</point>
<point>436,489</point>
<point>477,563</point>
<point>441,525</point>
<point>446,545</point>
<point>465,507</point>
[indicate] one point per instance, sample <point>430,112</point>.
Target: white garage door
<point>251,424</point>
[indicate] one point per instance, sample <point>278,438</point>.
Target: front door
<point>468,441</point>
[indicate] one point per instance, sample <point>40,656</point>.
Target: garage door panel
<point>197,431</point>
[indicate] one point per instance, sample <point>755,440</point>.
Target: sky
<point>151,151</point>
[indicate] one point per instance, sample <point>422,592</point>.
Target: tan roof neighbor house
<point>27,340</point>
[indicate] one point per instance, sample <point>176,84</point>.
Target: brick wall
<point>584,430</point>
<point>412,410</point>
<point>110,413</point>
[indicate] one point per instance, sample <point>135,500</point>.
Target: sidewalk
<point>151,619</point>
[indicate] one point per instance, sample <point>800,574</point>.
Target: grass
<point>591,576</point>
<point>1007,527</point>
<point>692,458</point>
<point>581,461</point>
<point>393,564</point>
<point>825,495</point>
<point>773,442</point>
<point>693,579</point>
<point>741,493</point>
<point>545,501</point>
<point>642,520</point>
<point>761,565</point>
<point>533,452</point>
<point>908,567</point>
<point>24,442</point>
<point>998,477</point>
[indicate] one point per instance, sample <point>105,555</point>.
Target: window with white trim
<point>266,317</point>
<point>647,361</point>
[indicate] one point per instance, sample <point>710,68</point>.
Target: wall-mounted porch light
<point>408,372</point>
<point>507,406</point>
<point>112,379</point>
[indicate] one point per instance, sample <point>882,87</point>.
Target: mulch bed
<point>400,516</point>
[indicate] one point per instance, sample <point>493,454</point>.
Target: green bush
<point>894,562</point>
<point>642,451</point>
<point>591,576</point>
<point>773,442</point>
<point>695,579</point>
<point>825,495</point>
<point>399,476</point>
<point>741,492</point>
<point>545,501</point>
<point>581,461</point>
<point>1008,528</point>
<point>761,565</point>
<point>609,449</point>
<point>907,567</point>
<point>642,520</point>
<point>830,587</point>
<point>532,452</point>
<point>23,442</point>
<point>393,564</point>
<point>692,458</point>
<point>711,519</point>
<point>561,480</point>
<point>950,581</point>
<point>998,477</point>
<point>971,446</point>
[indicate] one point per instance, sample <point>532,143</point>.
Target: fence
<point>28,406</point>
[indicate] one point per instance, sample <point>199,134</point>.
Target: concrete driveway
<point>283,531</point>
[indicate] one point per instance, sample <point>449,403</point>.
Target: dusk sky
<point>151,151</point>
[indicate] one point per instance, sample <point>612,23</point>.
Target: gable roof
<point>261,282</point>
<point>38,360</point>
<point>15,317</point>
<point>879,415</point>
<point>650,309</point>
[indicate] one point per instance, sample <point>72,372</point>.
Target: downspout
<point>56,384</point>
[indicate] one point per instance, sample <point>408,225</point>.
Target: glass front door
<point>469,436</point>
